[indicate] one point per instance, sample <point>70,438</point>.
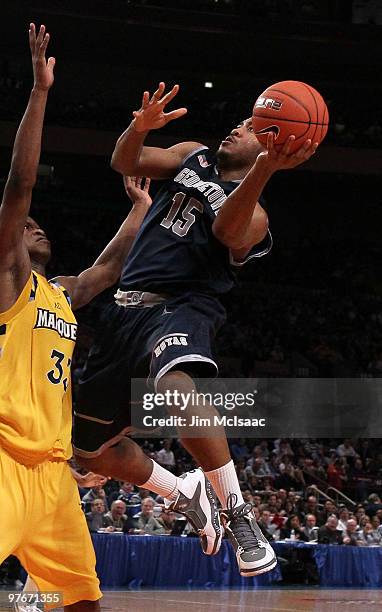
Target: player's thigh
<point>59,554</point>
<point>14,493</point>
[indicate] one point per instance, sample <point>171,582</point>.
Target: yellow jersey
<point>37,338</point>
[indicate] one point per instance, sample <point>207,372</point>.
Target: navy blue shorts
<point>140,343</point>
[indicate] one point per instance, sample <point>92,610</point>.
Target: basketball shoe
<point>254,554</point>
<point>196,501</point>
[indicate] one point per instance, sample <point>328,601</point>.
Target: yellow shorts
<point>42,524</point>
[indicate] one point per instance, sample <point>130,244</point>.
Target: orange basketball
<point>290,107</point>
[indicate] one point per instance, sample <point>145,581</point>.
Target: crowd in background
<point>323,491</point>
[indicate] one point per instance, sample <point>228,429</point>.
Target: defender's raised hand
<point>151,115</point>
<point>42,69</point>
<point>138,195</point>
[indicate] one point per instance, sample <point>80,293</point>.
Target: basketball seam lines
<point>289,120</point>
<point>315,104</point>
<point>286,93</point>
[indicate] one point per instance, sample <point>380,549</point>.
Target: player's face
<point>241,146</point>
<point>36,241</point>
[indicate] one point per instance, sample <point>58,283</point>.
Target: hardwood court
<point>267,600</point>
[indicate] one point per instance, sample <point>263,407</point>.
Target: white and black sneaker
<point>196,501</point>
<point>254,554</point>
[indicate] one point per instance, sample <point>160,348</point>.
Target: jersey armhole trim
<point>252,255</point>
<point>23,299</point>
<point>191,153</point>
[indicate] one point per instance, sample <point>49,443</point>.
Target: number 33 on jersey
<point>37,338</point>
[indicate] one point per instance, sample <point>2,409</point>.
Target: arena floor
<point>259,600</point>
<point>263,600</point>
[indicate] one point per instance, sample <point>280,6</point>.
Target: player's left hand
<point>284,160</point>
<point>42,69</point>
<point>138,194</point>
<point>90,480</point>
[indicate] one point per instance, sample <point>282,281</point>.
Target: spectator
<point>346,449</point>
<point>328,533</point>
<point>167,520</point>
<point>311,507</point>
<point>165,456</point>
<point>269,529</point>
<point>343,518</point>
<point>94,493</point>
<point>329,508</point>
<point>351,535</point>
<point>310,528</point>
<point>241,472</point>
<point>293,529</point>
<point>336,475</point>
<point>126,494</point>
<point>359,513</point>
<point>95,518</point>
<point>240,449</point>
<point>116,518</point>
<point>374,504</point>
<point>144,523</point>
<point>368,537</point>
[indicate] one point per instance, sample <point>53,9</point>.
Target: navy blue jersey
<point>175,250</point>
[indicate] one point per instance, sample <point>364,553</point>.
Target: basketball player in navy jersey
<point>205,220</point>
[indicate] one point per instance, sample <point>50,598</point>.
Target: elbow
<point>226,237</point>
<point>122,166</point>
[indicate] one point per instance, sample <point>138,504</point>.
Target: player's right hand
<point>42,69</point>
<point>151,115</point>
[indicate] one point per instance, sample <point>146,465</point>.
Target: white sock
<point>224,481</point>
<point>162,482</point>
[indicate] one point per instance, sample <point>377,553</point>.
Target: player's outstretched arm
<point>132,158</point>
<point>15,264</point>
<point>106,270</point>
<point>241,222</point>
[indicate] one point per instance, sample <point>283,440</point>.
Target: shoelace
<point>239,525</point>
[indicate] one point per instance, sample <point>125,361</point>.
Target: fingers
<point>145,99</point>
<point>287,145</point>
<point>127,182</point>
<point>175,114</point>
<point>43,45</point>
<point>271,142</point>
<point>170,95</point>
<point>40,35</point>
<point>158,93</point>
<point>51,63</point>
<point>39,44</point>
<point>32,36</point>
<point>136,181</point>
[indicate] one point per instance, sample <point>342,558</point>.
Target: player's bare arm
<point>15,265</point>
<point>131,157</point>
<point>241,222</point>
<point>107,268</point>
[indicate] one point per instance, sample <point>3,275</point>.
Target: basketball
<point>290,107</point>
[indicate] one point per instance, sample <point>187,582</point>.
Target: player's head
<point>240,147</point>
<point>36,242</point>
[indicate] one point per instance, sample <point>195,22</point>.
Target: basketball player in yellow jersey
<point>42,522</point>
